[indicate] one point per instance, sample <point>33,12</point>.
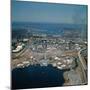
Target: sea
<point>20,28</point>
<point>37,77</point>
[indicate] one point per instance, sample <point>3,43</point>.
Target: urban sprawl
<point>69,54</point>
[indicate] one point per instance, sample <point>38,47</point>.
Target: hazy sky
<point>46,12</point>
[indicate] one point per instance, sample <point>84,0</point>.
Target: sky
<point>26,11</point>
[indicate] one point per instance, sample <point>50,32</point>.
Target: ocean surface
<point>47,26</point>
<point>20,29</point>
<point>37,77</point>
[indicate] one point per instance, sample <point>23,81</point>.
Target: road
<point>83,66</point>
<point>82,59</point>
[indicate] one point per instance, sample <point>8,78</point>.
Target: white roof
<point>59,67</point>
<point>63,65</point>
<point>25,39</point>
<point>18,48</point>
<point>59,63</point>
<point>69,61</point>
<point>57,58</point>
<point>19,65</point>
<point>25,62</point>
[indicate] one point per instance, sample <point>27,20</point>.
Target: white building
<point>19,47</point>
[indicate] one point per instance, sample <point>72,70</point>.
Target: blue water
<point>22,29</point>
<point>37,77</point>
<point>51,28</point>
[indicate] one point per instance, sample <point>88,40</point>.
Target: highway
<point>83,66</point>
<point>82,59</point>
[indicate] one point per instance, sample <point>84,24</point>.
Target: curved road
<point>83,65</point>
